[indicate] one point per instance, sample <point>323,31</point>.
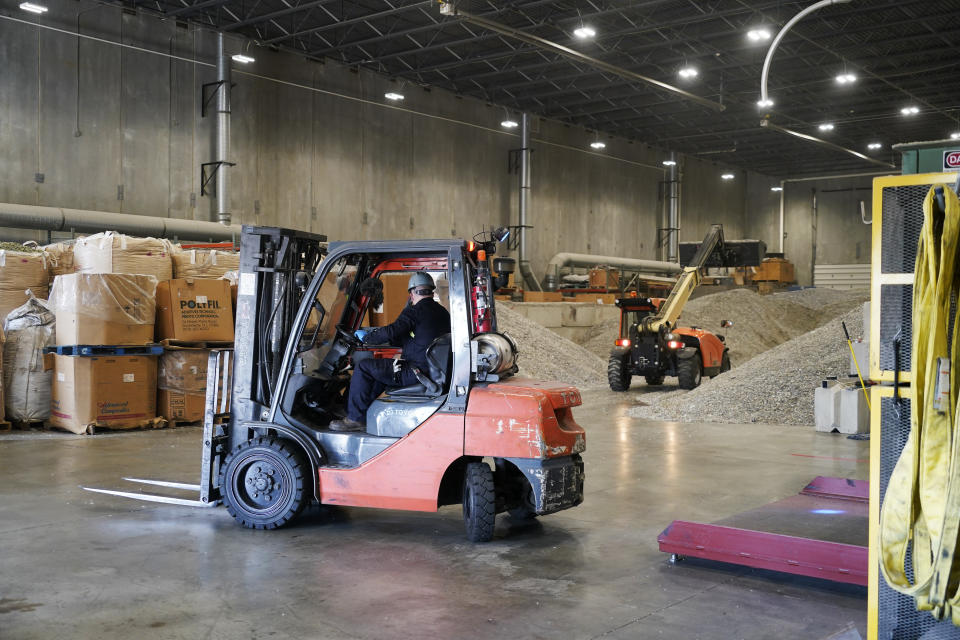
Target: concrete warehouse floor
<point>80,565</point>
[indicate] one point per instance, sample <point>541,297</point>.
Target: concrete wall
<point>834,234</point>
<point>315,144</point>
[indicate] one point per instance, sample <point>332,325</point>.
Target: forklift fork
<point>212,451</point>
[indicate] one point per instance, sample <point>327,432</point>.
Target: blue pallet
<point>105,350</point>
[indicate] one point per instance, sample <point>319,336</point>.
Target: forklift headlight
<point>674,344</point>
<point>671,337</point>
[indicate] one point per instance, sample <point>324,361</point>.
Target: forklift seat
<point>435,381</point>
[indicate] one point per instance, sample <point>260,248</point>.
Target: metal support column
<point>529,280</point>
<point>223,133</point>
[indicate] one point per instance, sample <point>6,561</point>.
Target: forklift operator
<point>419,324</point>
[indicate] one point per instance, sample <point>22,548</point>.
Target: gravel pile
<point>776,387</point>
<point>547,356</point>
<point>759,322</point>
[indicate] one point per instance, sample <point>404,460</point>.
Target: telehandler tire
<point>618,370</point>
<point>262,483</point>
<point>479,502</point>
<point>689,372</point>
<point>725,362</point>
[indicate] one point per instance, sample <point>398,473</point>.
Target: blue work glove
<point>360,334</point>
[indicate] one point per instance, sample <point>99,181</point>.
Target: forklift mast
<point>670,310</point>
<point>276,265</point>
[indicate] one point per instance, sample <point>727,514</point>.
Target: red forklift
<point>470,432</point>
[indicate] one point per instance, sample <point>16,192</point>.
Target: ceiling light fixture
<point>910,111</point>
<point>776,188</point>
<point>727,176</point>
<point>242,58</point>
<point>758,35</point>
<point>874,145</point>
<point>669,163</point>
<point>955,136</point>
<point>688,72</point>
<point>596,144</point>
<point>765,103</point>
<point>826,126</point>
<point>846,78</point>
<point>33,8</point>
<point>509,124</point>
<point>391,95</point>
<point>583,32</point>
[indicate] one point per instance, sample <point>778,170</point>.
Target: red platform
<point>821,532</point>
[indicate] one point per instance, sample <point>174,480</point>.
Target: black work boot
<point>346,425</point>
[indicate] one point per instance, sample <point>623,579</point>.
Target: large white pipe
<point>25,216</point>
<point>561,260</point>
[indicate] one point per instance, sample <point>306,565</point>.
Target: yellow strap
<point>922,503</point>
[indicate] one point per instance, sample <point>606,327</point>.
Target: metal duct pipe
<point>673,219</point>
<point>223,133</point>
<point>529,280</point>
<point>561,260</point>
<point>25,216</point>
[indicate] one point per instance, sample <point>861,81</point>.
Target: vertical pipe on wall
<point>223,133</point>
<point>783,197</point>
<point>529,280</point>
<point>673,217</point>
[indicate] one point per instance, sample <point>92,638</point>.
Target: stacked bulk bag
<point>26,379</point>
<point>202,263</point>
<point>21,268</point>
<point>112,252</point>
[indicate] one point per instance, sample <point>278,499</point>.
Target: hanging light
<point>688,72</point>
<point>846,78</point>
<point>776,188</point>
<point>826,126</point>
<point>765,103</point>
<point>509,124</point>
<point>873,146</point>
<point>955,135</point>
<point>669,163</point>
<point>33,8</point>
<point>584,31</point>
<point>394,96</point>
<point>758,35</point>
<point>910,111</point>
<point>241,58</point>
<point>597,144</point>
<point>727,176</point>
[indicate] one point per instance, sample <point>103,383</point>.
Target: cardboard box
<point>104,308</point>
<point>542,296</point>
<point>194,309</point>
<point>182,384</point>
<point>117,392</point>
<point>774,270</point>
<point>604,278</point>
<point>180,406</point>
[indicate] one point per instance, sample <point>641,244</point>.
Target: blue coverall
<point>415,328</point>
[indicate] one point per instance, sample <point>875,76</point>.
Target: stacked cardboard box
<point>115,391</point>
<point>19,271</point>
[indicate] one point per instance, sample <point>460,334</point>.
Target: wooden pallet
<point>5,426</point>
<point>29,425</point>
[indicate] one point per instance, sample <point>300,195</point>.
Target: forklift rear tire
<point>654,380</point>
<point>262,483</point>
<point>618,371</point>
<point>479,502</point>
<point>689,372</point>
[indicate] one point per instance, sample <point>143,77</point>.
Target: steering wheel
<point>348,338</point>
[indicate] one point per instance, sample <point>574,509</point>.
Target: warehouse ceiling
<point>903,53</point>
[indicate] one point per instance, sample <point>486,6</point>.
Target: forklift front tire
<point>479,502</point>
<point>262,483</point>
